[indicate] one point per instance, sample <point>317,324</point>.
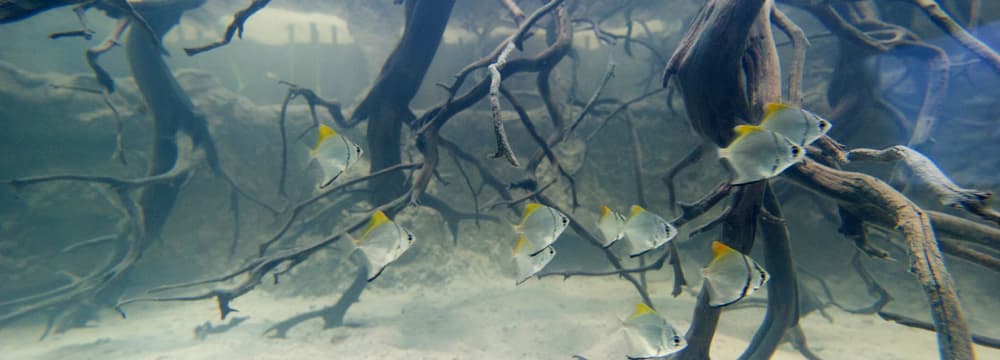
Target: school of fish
<point>758,152</point>
<point>763,151</point>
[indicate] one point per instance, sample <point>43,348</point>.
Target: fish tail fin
<point>350,251</point>
<point>352,242</point>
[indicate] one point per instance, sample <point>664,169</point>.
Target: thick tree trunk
<point>726,70</point>
<point>387,104</point>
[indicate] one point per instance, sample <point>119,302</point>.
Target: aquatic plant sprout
<point>840,159</point>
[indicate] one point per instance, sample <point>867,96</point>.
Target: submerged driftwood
<point>726,68</point>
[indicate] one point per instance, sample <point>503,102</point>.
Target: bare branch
<point>503,146</point>
<point>258,268</point>
<point>515,11</point>
<point>799,44</point>
<point>235,27</point>
<point>302,205</point>
<point>930,175</point>
<point>911,322</point>
<point>948,24</point>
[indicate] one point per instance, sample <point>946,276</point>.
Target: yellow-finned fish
<point>731,275</point>
<point>529,265</point>
<point>798,125</point>
<point>644,231</point>
<point>758,154</point>
<point>610,223</point>
<point>540,227</point>
<point>649,335</point>
<point>334,153</point>
<point>382,242</point>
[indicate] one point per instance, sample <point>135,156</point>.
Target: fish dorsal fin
<point>719,251</point>
<point>528,210</point>
<point>640,310</point>
<point>324,133</point>
<point>378,218</point>
<point>771,108</point>
<point>636,209</point>
<point>743,130</point>
<point>520,243</point>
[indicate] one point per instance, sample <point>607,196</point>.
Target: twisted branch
<point>235,27</point>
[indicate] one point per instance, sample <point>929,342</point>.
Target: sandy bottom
<point>472,318</point>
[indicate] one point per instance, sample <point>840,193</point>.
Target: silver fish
<point>383,242</point>
<point>334,153</point>
<point>649,335</point>
<point>529,265</point>
<point>731,275</point>
<point>800,126</point>
<point>644,231</point>
<point>540,227</point>
<point>758,154</point>
<point>610,224</point>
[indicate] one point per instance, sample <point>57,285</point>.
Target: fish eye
<point>409,237</point>
<point>796,150</point>
<point>552,251</point>
<point>677,340</point>
<point>565,220</point>
<point>357,149</point>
